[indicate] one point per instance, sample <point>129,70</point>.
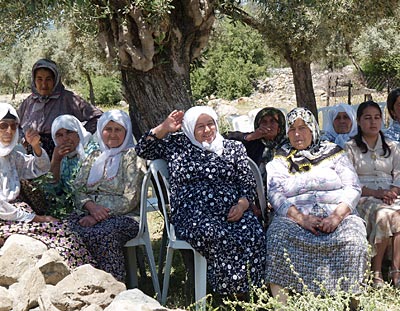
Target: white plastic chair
<point>159,170</point>
<point>142,238</point>
<point>260,186</point>
<point>243,124</point>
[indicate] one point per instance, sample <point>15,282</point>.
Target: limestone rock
<point>53,267</point>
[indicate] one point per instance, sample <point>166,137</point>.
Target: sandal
<point>397,283</point>
<point>377,279</point>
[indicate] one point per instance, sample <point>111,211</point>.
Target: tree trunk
<point>91,91</point>
<point>303,85</point>
<point>154,94</point>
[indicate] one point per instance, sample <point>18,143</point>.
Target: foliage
<point>59,204</point>
<point>107,90</point>
<point>235,58</point>
<point>378,50</point>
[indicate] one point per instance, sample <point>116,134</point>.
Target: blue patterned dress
<point>204,186</point>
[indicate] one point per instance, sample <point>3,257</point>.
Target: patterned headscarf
<point>189,124</point>
<point>303,160</point>
<point>107,163</point>
<point>71,123</point>
<point>6,109</point>
<point>330,132</point>
<point>58,86</point>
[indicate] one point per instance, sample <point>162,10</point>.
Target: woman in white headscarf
<point>107,190</point>
<point>341,126</point>
<point>211,188</point>
<point>16,216</point>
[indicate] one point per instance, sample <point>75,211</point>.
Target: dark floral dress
<point>204,186</point>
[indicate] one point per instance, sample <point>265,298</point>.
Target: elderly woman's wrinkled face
<point>7,131</point>
<point>113,134</point>
<point>67,139</point>
<point>269,126</point>
<point>342,123</point>
<point>205,129</point>
<point>300,135</point>
<point>370,122</point>
<point>44,81</point>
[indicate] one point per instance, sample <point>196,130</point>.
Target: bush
<point>107,91</point>
<point>236,57</point>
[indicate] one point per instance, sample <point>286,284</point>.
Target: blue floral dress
<point>204,186</point>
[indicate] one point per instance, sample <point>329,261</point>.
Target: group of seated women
<point>330,194</point>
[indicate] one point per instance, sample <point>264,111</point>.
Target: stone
<point>53,267</point>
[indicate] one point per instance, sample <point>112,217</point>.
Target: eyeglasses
<point>5,125</point>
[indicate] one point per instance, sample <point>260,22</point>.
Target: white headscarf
<point>340,139</point>
<point>107,163</point>
<point>71,123</point>
<point>189,123</point>
<point>4,109</point>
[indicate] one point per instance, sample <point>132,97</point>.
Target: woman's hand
<point>330,223</point>
<point>310,223</point>
<point>62,150</point>
<point>44,218</point>
<point>87,221</point>
<point>98,212</point>
<point>171,124</point>
<point>32,137</point>
<point>236,211</point>
<point>389,196</point>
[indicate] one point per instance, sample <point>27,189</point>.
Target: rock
<point>14,262</point>
<point>26,291</point>
<point>6,302</point>
<point>30,245</point>
<point>52,266</point>
<point>134,300</point>
<point>83,287</point>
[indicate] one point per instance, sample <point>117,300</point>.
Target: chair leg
<point>131,266</point>
<point>200,268</point>
<point>162,255</point>
<point>154,276</point>
<point>167,271</point>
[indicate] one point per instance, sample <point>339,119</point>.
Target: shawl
<point>58,86</point>
<point>189,123</point>
<point>71,123</point>
<point>303,160</point>
<point>329,130</point>
<point>107,164</point>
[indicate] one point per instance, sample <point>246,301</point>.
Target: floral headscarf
<point>189,123</point>
<point>107,163</point>
<point>58,86</point>
<point>303,160</point>
<point>71,123</point>
<point>330,132</point>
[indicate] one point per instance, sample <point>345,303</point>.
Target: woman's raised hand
<point>171,124</point>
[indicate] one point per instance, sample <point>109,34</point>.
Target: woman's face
<point>270,127</point>
<point>7,131</point>
<point>396,109</point>
<point>300,135</point>
<point>205,129</point>
<point>69,139</point>
<point>370,121</point>
<point>113,134</point>
<point>342,123</point>
<point>44,81</point>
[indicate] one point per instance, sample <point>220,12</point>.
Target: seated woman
<point>211,188</point>
<point>16,216</point>
<point>341,126</point>
<point>393,106</point>
<point>315,236</point>
<point>269,135</point>
<point>108,191</point>
<point>72,144</point>
<point>377,162</point>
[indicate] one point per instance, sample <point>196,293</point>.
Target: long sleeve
<point>31,166</point>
